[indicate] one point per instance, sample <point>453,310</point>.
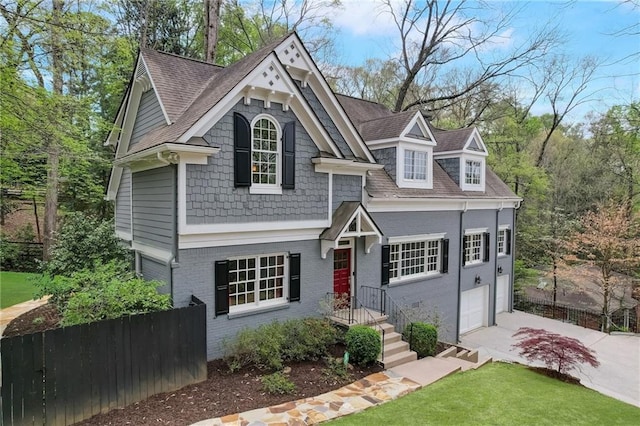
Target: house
<point>258,190</point>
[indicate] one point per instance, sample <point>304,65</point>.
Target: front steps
<point>396,351</point>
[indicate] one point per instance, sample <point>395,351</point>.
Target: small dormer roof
<point>466,140</point>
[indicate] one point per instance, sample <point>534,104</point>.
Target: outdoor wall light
<point>478,280</point>
<point>499,269</point>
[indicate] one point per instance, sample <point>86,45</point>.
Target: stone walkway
<point>372,390</point>
<point>8,314</point>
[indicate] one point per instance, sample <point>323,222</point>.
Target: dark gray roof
<point>221,82</point>
<point>451,140</point>
<point>385,127</point>
<point>360,110</point>
<point>381,185</point>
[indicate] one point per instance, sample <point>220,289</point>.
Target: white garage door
<point>502,294</point>
<point>473,309</point>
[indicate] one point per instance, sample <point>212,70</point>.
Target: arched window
<point>265,153</point>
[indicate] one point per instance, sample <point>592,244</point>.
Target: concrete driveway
<point>618,375</point>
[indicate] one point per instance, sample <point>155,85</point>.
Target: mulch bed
<point>42,318</point>
<point>556,375</point>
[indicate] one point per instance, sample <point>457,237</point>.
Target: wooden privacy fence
<point>62,376</point>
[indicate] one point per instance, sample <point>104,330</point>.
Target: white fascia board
<point>340,166</point>
<point>153,252</point>
<point>420,121</point>
<point>114,183</point>
<point>150,77</point>
<point>414,238</point>
<point>391,142</point>
<point>300,107</point>
<point>112,139</point>
<point>380,205</point>
<point>475,134</point>
<point>192,241</point>
<point>459,153</point>
<point>470,231</point>
<point>202,151</point>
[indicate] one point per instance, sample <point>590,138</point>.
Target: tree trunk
<point>211,21</point>
<point>53,152</point>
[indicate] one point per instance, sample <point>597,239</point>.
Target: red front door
<point>342,272</point>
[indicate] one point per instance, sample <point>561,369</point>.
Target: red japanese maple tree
<point>558,352</point>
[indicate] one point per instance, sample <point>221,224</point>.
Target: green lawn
<point>15,287</point>
<point>499,394</point>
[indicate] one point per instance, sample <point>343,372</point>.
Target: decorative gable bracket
<point>351,219</point>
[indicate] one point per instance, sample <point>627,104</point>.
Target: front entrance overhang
<point>351,219</point>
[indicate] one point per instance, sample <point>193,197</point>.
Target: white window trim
<point>419,238</point>
<point>501,229</point>
<point>483,169</point>
<point>475,231</point>
<point>268,188</point>
<point>258,305</point>
<point>414,183</point>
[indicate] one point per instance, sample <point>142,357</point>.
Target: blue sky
<point>365,31</point>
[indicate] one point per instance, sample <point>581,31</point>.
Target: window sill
<point>501,255</point>
<point>472,265</point>
<point>255,311</point>
<point>273,190</point>
<point>415,279</point>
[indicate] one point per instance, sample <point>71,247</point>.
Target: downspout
<point>495,264</point>
<point>460,259</point>
<point>174,263</point>
<point>512,278</point>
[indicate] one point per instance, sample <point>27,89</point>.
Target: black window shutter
<point>507,241</point>
<point>222,287</point>
<point>386,252</point>
<point>241,150</point>
<point>444,267</point>
<point>289,156</point>
<point>464,247</point>
<point>487,248</point>
<point>294,277</point>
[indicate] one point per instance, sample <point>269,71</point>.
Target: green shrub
<point>363,344</point>
<point>82,242</point>
<point>270,345</point>
<point>277,383</point>
<point>307,339</point>
<point>336,370</point>
<point>422,337</point>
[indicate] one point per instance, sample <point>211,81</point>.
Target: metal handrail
<point>377,298</point>
<point>353,311</point>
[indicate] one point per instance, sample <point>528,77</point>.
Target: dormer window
<point>472,172</point>
<point>415,165</point>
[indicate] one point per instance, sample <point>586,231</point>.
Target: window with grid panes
<point>257,279</point>
<point>414,259</point>
<point>264,164</point>
<point>473,249</point>
<point>502,239</point>
<point>472,172</point>
<point>415,165</point>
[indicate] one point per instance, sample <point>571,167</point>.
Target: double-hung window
<point>257,280</point>
<point>472,172</point>
<point>416,257</point>
<point>415,165</point>
<point>504,241</point>
<point>265,155</point>
<point>475,247</point>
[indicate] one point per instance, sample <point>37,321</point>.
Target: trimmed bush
<point>422,337</point>
<point>307,339</point>
<point>363,344</point>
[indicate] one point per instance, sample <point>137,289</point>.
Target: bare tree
<point>211,22</point>
<point>438,33</point>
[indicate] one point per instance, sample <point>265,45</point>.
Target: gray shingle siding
<point>148,118</point>
<point>452,167</point>
<point>387,156</point>
<point>154,207</point>
<point>196,271</point>
<point>346,188</point>
<point>123,202</point>
<point>326,121</point>
<point>211,197</point>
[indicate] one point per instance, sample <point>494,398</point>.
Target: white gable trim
<point>475,135</point>
<point>306,70</point>
<point>297,103</point>
<point>360,215</point>
<point>382,205</point>
<point>422,124</point>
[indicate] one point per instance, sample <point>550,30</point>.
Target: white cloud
<point>364,18</point>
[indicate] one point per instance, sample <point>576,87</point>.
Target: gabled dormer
<point>462,154</point>
<point>404,143</point>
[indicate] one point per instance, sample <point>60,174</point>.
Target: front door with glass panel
<point>342,273</point>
